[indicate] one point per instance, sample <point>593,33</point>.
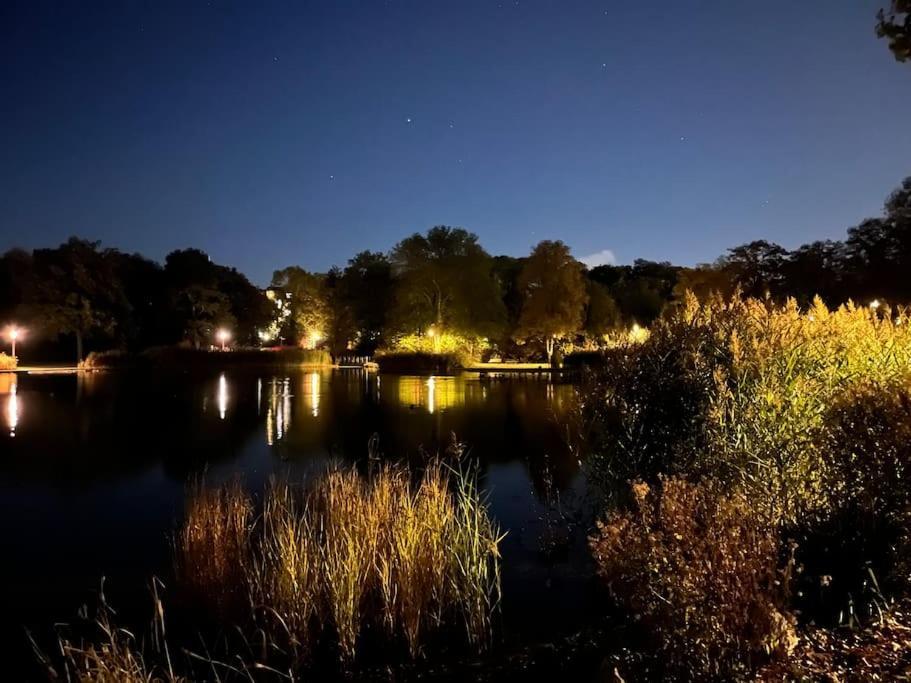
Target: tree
<point>601,313</point>
<point>553,295</point>
<point>703,281</point>
<point>445,279</point>
<point>203,310</point>
<point>364,296</point>
<point>76,291</point>
<point>816,269</point>
<point>311,314</point>
<point>756,267</point>
<point>641,290</point>
<point>895,26</point>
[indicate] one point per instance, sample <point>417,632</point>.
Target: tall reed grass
<point>743,390</point>
<point>390,553</point>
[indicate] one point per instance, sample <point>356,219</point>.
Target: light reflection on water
<point>9,385</point>
<point>222,396</point>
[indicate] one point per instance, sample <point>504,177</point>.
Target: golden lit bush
<point>7,362</point>
<point>701,572</point>
<point>740,389</point>
<point>348,552</point>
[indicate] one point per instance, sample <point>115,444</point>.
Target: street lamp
<point>223,336</point>
<point>13,333</point>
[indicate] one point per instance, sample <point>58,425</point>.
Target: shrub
<point>102,360</point>
<point>419,363</point>
<point>350,552</point>
<point>700,570</point>
<point>7,362</point>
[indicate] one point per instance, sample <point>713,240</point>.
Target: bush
<point>7,362</point>
<point>740,389</point>
<point>701,572</point>
<point>103,360</point>
<point>420,363</point>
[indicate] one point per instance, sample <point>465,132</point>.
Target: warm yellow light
<point>222,396</point>
<point>431,394</point>
<point>14,333</point>
<point>874,304</point>
<point>12,408</point>
<point>431,331</point>
<point>223,335</point>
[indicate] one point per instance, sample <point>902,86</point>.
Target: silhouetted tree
<point>601,312</point>
<point>756,267</point>
<point>894,25</point>
<point>76,291</point>
<point>362,296</point>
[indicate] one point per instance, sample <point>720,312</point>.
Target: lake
<point>93,470</point>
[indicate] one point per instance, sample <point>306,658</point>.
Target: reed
<point>404,555</point>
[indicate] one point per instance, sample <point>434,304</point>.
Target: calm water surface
<point>93,471</point>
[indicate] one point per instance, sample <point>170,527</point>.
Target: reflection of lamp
<point>222,396</point>
<point>12,408</point>
<point>431,391</point>
<point>314,393</point>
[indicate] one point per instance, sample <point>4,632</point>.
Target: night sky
<point>271,134</point>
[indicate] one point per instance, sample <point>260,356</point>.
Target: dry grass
<point>213,545</point>
<point>348,552</point>
<point>700,571</point>
<point>113,655</point>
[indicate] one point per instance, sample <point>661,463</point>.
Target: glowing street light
<point>13,333</point>
<point>223,336</point>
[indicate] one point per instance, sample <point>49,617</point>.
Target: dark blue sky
<point>278,133</point>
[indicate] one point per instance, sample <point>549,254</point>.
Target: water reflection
<point>313,394</point>
<point>434,394</point>
<point>9,385</point>
<point>222,396</point>
<point>278,411</point>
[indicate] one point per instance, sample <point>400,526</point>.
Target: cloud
<point>605,257</point>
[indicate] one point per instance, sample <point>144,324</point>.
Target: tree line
<point>430,286</point>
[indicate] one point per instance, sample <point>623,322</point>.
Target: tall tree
<point>311,313</point>
<point>445,279</point>
<point>76,291</point>
<point>554,295</point>
<point>757,267</point>
<point>365,294</point>
<point>601,312</point>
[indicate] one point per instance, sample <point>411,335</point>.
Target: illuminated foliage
<point>553,295</point>
<point>445,279</point>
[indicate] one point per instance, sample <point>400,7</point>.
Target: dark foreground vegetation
<point>436,293</point>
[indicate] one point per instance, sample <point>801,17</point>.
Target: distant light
<point>875,304</point>
<point>431,332</point>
